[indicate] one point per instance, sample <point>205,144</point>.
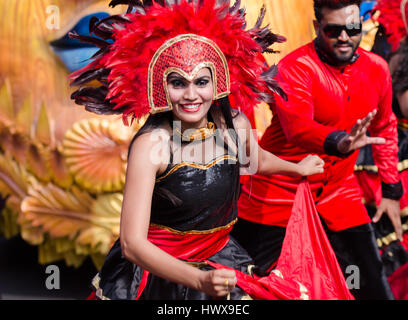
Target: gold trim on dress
<point>197,265</point>
<point>99,291</point>
<point>196,165</point>
<point>174,231</point>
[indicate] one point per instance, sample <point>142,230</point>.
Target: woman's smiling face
<point>191,100</point>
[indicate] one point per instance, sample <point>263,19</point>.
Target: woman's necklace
<point>190,135</point>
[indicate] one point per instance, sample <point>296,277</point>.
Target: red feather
<point>391,18</point>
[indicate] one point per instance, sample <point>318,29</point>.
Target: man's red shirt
<point>323,99</point>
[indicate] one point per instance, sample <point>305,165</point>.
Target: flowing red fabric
<point>399,283</point>
<point>307,260</point>
<point>307,256</point>
<point>92,296</point>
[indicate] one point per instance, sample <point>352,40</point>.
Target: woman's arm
<point>143,166</point>
<point>263,162</point>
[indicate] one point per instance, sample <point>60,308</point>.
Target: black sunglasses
<point>335,30</point>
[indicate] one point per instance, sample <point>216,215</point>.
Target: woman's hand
<point>218,283</point>
<point>310,165</point>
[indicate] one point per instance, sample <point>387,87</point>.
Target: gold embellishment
<point>169,43</point>
<point>402,165</point>
<point>277,273</point>
<point>402,124</point>
<point>391,237</point>
<point>99,291</point>
<point>160,109</point>
<point>194,231</point>
<point>196,165</point>
<point>226,282</point>
<point>197,134</point>
<point>372,168</point>
<point>197,264</point>
<point>250,270</point>
<point>303,292</point>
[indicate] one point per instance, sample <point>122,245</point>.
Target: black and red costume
<point>194,202</point>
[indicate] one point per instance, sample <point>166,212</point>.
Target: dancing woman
<point>184,64</point>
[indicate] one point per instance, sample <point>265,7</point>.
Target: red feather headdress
<point>393,16</point>
<point>218,31</point>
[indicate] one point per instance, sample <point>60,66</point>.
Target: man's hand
<point>392,208</point>
<point>357,137</point>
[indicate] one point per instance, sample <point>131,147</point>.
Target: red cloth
<point>405,240</point>
<point>92,296</point>
<point>307,255</point>
<point>323,99</point>
<point>399,283</point>
<point>306,258</point>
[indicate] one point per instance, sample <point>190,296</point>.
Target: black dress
<point>188,197</point>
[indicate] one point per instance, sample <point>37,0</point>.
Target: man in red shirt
<point>336,92</point>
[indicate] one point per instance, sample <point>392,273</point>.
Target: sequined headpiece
<point>185,54</point>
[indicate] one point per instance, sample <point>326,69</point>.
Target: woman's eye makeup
<point>202,82</point>
<point>181,83</point>
<point>177,83</point>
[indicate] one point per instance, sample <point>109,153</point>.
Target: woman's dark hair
<point>381,45</point>
<point>400,74</point>
<point>332,4</point>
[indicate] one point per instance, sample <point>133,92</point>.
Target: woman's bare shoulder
<point>151,147</point>
<point>240,120</point>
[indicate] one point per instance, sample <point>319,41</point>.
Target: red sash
<point>188,246</point>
